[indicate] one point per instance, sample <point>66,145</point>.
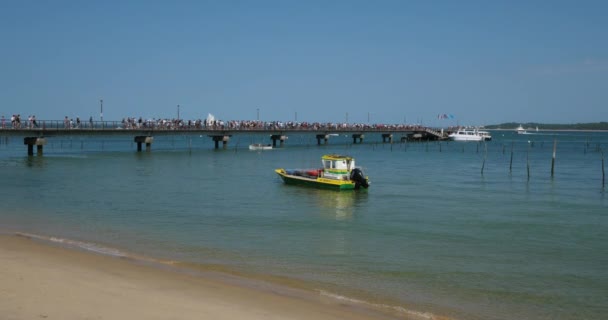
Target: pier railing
<point>92,127</point>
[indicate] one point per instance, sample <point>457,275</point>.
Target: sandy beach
<point>44,281</point>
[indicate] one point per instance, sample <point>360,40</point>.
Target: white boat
<point>486,136</point>
<point>520,130</point>
<point>259,146</point>
<point>470,135</point>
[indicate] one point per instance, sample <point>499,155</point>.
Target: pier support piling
<point>280,138</point>
<point>358,136</point>
<point>39,142</point>
<point>223,138</point>
<point>387,136</point>
<point>322,136</point>
<point>144,139</point>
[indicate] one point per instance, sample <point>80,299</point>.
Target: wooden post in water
<point>511,162</point>
<point>553,159</point>
<point>585,147</point>
<point>528,162</point>
<point>603,174</point>
<point>485,155</point>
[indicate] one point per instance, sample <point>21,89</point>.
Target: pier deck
<point>218,133</point>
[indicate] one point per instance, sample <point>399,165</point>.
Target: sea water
<point>457,229</point>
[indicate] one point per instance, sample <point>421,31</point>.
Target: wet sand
<point>44,281</point>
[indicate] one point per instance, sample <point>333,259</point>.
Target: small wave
<point>87,246</point>
<point>96,248</point>
<point>398,309</point>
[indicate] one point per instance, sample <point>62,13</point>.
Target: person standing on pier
<point>91,122</point>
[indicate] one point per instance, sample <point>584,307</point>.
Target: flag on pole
<point>445,116</point>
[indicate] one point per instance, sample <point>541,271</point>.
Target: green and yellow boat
<point>338,172</point>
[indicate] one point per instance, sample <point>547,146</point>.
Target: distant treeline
<point>551,126</point>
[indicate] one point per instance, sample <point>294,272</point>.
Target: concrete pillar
<point>34,141</point>
<point>386,136</point>
<point>358,136</point>
<point>149,141</point>
<point>322,136</point>
<point>279,137</point>
<point>144,139</point>
<point>223,138</point>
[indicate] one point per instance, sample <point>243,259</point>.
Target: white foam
<point>87,246</point>
<point>402,310</point>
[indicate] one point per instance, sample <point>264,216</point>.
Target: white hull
<point>259,146</point>
<point>465,138</point>
<point>470,135</point>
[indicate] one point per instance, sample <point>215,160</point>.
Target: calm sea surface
<point>433,234</point>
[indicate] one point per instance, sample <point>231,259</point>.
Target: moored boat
<point>338,172</point>
<point>259,146</point>
<point>470,135</point>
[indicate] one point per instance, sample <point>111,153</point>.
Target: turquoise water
<point>433,234</point>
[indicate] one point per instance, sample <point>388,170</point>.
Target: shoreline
<point>42,279</point>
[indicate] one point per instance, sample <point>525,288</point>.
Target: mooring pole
<point>484,157</point>
<point>511,162</point>
<point>528,162</point>
<point>603,174</point>
<point>553,159</point>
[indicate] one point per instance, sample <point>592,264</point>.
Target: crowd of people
<point>16,122</point>
<point>206,124</point>
<point>210,123</point>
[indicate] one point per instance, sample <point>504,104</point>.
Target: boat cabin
<point>337,165</point>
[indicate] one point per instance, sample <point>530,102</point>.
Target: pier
<point>278,133</point>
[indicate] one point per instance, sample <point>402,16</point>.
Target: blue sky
<point>484,62</point>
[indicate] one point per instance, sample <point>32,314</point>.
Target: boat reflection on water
<point>339,210</point>
<point>337,205</point>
